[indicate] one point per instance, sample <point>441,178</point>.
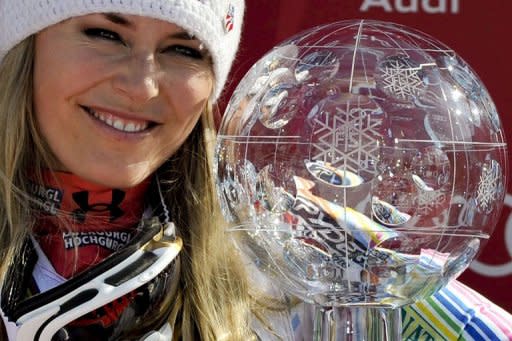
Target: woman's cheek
<point>192,92</point>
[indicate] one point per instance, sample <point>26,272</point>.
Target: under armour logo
<point>82,200</point>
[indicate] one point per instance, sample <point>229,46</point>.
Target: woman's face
<point>116,95</point>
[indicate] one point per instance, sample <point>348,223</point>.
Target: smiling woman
<point>124,90</point>
<point>108,224</point>
<point>110,228</point>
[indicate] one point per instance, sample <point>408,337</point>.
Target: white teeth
<point>129,127</point>
<point>118,123</point>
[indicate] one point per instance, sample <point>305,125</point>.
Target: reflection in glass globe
<point>361,163</point>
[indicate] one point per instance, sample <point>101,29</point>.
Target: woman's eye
<point>185,51</point>
<point>102,34</point>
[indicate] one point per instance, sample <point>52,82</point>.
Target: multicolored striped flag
<point>456,313</point>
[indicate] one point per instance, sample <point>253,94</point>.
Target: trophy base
<point>357,323</point>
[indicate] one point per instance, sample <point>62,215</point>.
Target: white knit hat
<point>216,23</point>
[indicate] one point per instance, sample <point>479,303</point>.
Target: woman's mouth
<point>118,123</point>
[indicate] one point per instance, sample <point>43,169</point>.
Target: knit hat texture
<point>216,23</point>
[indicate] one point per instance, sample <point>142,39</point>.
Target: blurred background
<point>479,31</point>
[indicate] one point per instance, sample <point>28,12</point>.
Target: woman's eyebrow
<point>120,20</point>
<point>184,35</point>
<point>117,19</point>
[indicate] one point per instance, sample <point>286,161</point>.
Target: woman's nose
<point>138,79</point>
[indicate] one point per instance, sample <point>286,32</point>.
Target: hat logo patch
<point>229,19</point>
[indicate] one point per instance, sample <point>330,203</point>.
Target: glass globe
<point>361,163</point>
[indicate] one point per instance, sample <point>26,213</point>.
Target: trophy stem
<point>356,324</point>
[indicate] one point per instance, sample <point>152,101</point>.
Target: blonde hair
<point>22,150</point>
<point>214,293</point>
<point>213,301</point>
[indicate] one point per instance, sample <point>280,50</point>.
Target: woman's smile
<point>120,122</point>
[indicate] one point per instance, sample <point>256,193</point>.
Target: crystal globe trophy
<point>361,164</point>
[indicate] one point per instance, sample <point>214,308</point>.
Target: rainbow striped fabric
<point>456,313</point>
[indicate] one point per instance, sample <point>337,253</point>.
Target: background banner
<point>479,31</point>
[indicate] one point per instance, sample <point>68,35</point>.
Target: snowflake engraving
<point>427,200</point>
<point>400,78</point>
<point>348,139</point>
<point>489,186</point>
